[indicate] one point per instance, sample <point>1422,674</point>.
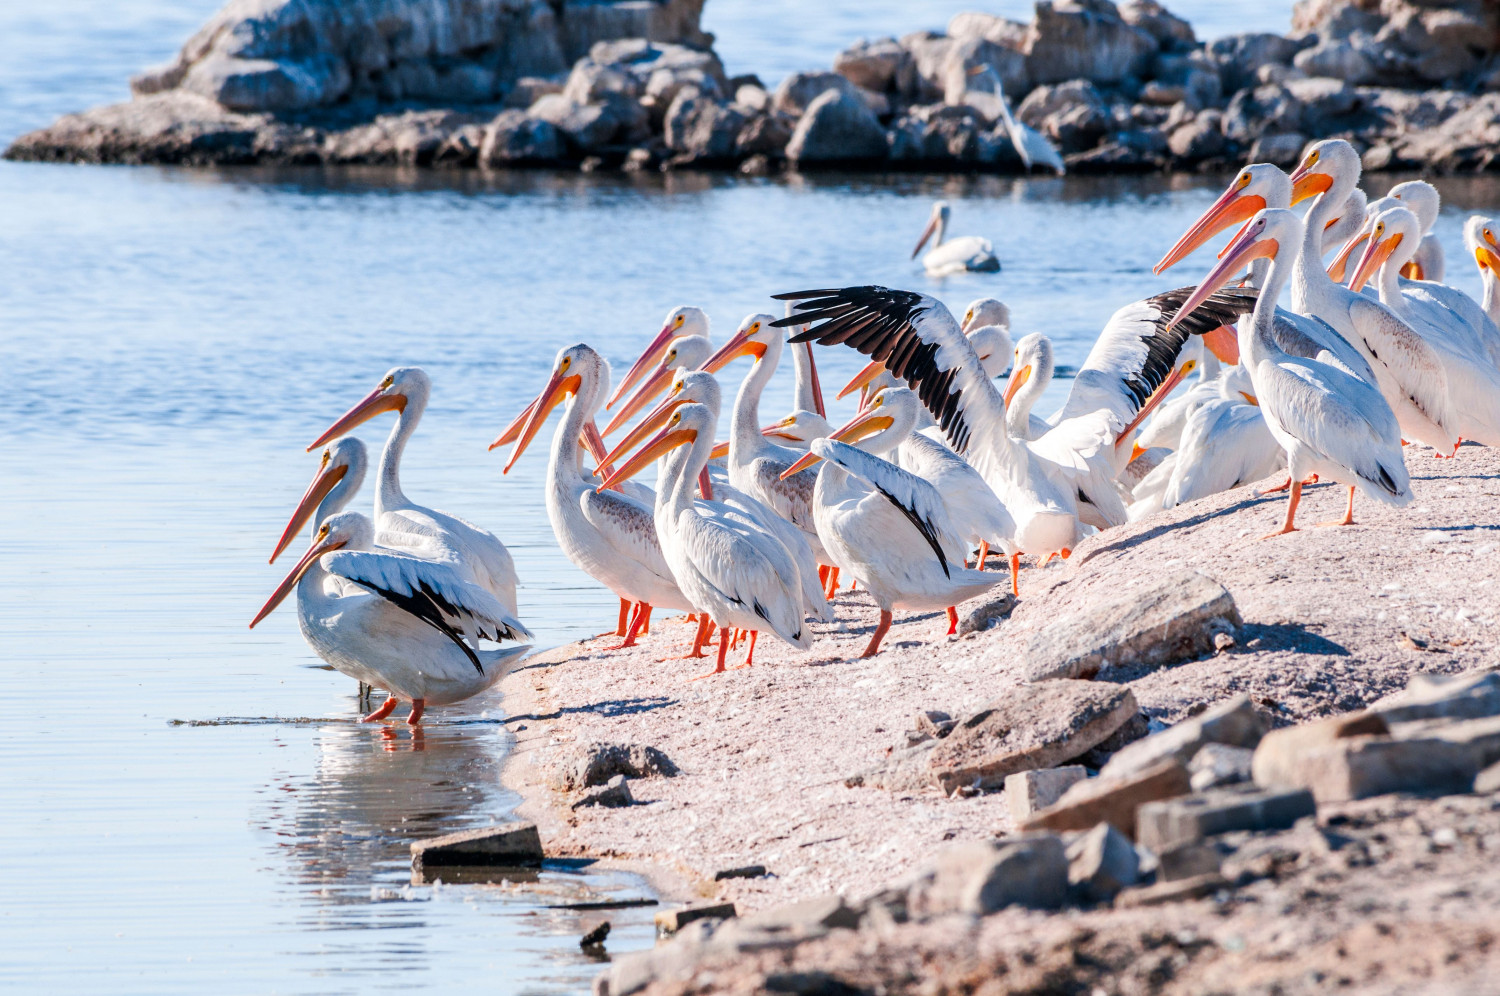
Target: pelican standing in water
<point>1330,422</point>
<point>964,254</point>
<point>401,524</point>
<point>409,626</point>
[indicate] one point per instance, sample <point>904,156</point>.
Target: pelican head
<point>1393,228</point>
<point>1480,238</point>
<point>1257,186</point>
<point>686,352</point>
<point>683,428</point>
<point>937,222</point>
<point>569,369</point>
<point>688,387</point>
<point>798,427</point>
<point>992,345</point>
<point>1422,198</point>
<point>1262,236</point>
<point>346,530</point>
<point>985,311</point>
<point>753,337</point>
<point>1033,361</point>
<point>1321,165</point>
<point>341,469</point>
<point>398,389</point>
<point>1338,270</point>
<point>892,411</point>
<point>681,320</point>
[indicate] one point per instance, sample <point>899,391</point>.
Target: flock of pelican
<point>940,465</point>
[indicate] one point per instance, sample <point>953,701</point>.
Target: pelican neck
<point>1310,280</point>
<point>745,440</point>
<point>389,495</point>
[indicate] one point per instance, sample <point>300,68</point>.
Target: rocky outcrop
<point>635,84</point>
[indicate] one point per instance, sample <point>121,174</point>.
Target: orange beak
<point>932,224</point>
<point>866,374</point>
<point>739,344</point>
<point>719,452</point>
<point>1224,343</point>
<point>862,425</point>
<point>1018,377</point>
<point>1231,208</point>
<point>1411,270</point>
<point>514,429</point>
<point>1238,253</point>
<point>653,385</point>
<point>663,442</point>
<point>1157,397</point>
<point>1306,183</point>
<point>1487,260</point>
<point>1339,269</point>
<point>322,483</point>
<point>817,386</point>
<point>558,387</point>
<point>653,421</point>
<point>290,581</point>
<point>1376,253</point>
<point>650,358</point>
<point>370,405</point>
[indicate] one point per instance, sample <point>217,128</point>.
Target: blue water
<point>172,339</point>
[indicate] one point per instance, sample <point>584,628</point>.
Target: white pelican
<point>341,471</point>
<point>735,574</point>
<point>683,320</point>
<point>1426,262</point>
<point>1464,349</point>
<point>986,311</point>
<point>1225,443</point>
<point>700,387</point>
<point>1031,145</point>
<point>1479,239</point>
<point>966,253</point>
<point>686,352</point>
<point>607,535</point>
<point>409,626</point>
<point>1330,422</point>
<point>886,526</point>
<point>401,524</point>
<point>1407,370</point>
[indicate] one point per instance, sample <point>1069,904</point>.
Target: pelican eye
<point>754,327</point>
<point>323,532</point>
<point>681,319</point>
<point>1489,236</point>
<point>567,361</point>
<point>324,463</point>
<point>1243,181</point>
<point>387,382</point>
<point>1312,157</point>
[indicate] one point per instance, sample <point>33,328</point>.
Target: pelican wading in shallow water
<point>964,254</point>
<point>401,524</point>
<point>409,626</point>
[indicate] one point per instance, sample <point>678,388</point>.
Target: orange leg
<point>1046,560</point>
<point>1015,573</point>
<point>873,647</point>
<point>1348,519</point>
<point>823,570</point>
<point>646,622</point>
<point>723,649</point>
<point>642,613</point>
<point>833,583</point>
<point>1291,512</point>
<point>704,625</point>
<point>750,654</point>
<point>623,627</point>
<point>984,554</point>
<point>417,705</point>
<point>952,620</point>
<point>383,711</point>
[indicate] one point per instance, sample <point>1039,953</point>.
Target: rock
<point>1266,109</point>
<point>587,22</point>
<point>1084,39</point>
<point>590,82</point>
<point>822,912</point>
<point>767,134</point>
<point>873,65</point>
<point>1164,824</point>
<point>529,89</point>
<point>920,80</point>
<point>1026,792</point>
<point>1113,800</point>
<point>671,921</point>
<point>1239,56</point>
<point>1324,97</point>
<point>516,138</point>
<point>1170,619</point>
<point>1097,756</point>
<point>747,871</point>
<point>905,770</point>
<point>1333,18</point>
<point>1200,139</point>
<point>595,938</point>
<point>986,614</point>
<point>1280,752</point>
<point>753,99</point>
<point>585,127</point>
<point>1135,151</point>
<point>991,27</point>
<point>1046,101</point>
<point>1035,726</point>
<point>1279,149</point>
<point>759,164</point>
<point>1170,31</point>
<point>1472,695</point>
<point>935,723</point>
<point>1488,780</point>
<point>1364,766</point>
<point>596,763</point>
<point>837,128</point>
<point>961,59</point>
<point>797,92</point>
<point>1339,60</point>
<point>1216,765</point>
<point>981,877</point>
<point>1102,862</point>
<point>702,130</point>
<point>1172,892</point>
<point>508,845</point>
<point>1482,736</point>
<point>1188,860</point>
<point>613,795</point>
<point>1234,722</point>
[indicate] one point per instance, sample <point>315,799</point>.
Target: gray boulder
<point>765,134</point>
<point>1264,110</point>
<point>1046,101</point>
<point>1340,60</point>
<point>701,130</point>
<point>1169,30</point>
<point>873,65</point>
<point>1198,139</point>
<point>1239,56</point>
<point>798,91</point>
<point>1101,862</point>
<point>980,877</point>
<point>1085,39</point>
<point>963,58</point>
<point>991,27</point>
<point>837,127</point>
<point>515,138</point>
<point>921,80</point>
<point>586,127</point>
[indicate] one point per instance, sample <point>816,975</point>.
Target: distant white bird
<point>1031,145</point>
<point>966,253</point>
<point>409,626</point>
<point>401,524</point>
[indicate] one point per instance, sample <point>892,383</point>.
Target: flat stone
<point>671,921</point>
<point>1029,791</point>
<point>1482,735</point>
<point>1235,722</point>
<point>1034,726</point>
<point>1112,800</point>
<point>987,614</point>
<point>1279,756</point>
<point>1102,862</point>
<point>744,871</point>
<point>1172,892</point>
<point>1188,860</point>
<point>612,795</point>
<point>1216,765</point>
<point>905,770</point>
<point>1473,695</point>
<point>1135,728</point>
<point>1169,620</point>
<point>1360,767</point>
<point>822,912</point>
<point>517,845</point>
<point>981,877</point>
<point>1161,825</point>
<point>935,723</point>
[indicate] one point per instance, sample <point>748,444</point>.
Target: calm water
<point>172,339</point>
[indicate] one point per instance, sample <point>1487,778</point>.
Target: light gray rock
<point>1169,30</point>
<point>987,614</point>
<point>590,82</point>
<point>1339,59</point>
<point>597,762</point>
<point>529,89</point>
<point>1240,56</point>
<point>982,877</point>
<point>1084,39</point>
<point>837,128</point>
<point>515,138</point>
<point>1164,824</point>
<point>764,135</point>
<point>921,80</point>
<point>1472,695</point>
<point>1234,722</point>
<point>586,127</point>
<point>1187,860</point>
<point>795,94</point>
<point>1365,766</point>
<point>1027,792</point>
<point>1199,138</point>
<point>672,921</point>
<point>1031,727</point>
<point>1101,862</point>
<point>1282,148</point>
<point>701,130</point>
<point>1267,109</point>
<point>1217,765</point>
<point>959,62</point>
<point>873,65</point>
<point>821,912</point>
<point>1164,621</point>
<point>1045,102</point>
<point>1279,755</point>
<point>991,27</point>
<point>612,795</point>
<point>753,99</point>
<point>1112,800</point>
<point>510,845</point>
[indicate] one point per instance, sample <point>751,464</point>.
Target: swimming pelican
<point>403,526</point>
<point>341,471</point>
<point>607,535</point>
<point>683,320</point>
<point>1426,262</point>
<point>886,526</point>
<point>1329,422</point>
<point>736,575</point>
<point>409,626</point>
<point>967,253</point>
